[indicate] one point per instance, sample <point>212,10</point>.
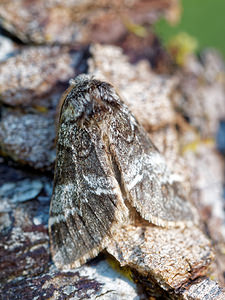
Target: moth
<point>106,167</point>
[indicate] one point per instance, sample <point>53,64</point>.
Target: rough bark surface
<point>78,21</point>
<point>37,76</point>
<point>159,263</point>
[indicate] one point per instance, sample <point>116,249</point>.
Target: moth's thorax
<point>88,97</point>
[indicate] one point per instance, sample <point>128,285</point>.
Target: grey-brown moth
<point>106,168</point>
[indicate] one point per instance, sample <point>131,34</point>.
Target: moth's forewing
<point>87,204</point>
<point>150,187</point>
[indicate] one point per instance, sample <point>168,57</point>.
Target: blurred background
<point>202,20</point>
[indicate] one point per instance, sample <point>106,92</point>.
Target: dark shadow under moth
<point>106,166</point>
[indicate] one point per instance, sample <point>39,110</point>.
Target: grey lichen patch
<point>21,191</point>
<point>28,139</point>
<point>35,75</point>
<point>7,48</point>
<point>97,281</point>
<point>203,289</point>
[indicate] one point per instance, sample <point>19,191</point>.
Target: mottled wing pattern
<point>150,187</point>
<point>86,204</point>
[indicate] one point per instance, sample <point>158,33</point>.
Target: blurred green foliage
<point>201,19</point>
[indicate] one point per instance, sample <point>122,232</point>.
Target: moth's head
<point>87,97</point>
<point>80,79</point>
